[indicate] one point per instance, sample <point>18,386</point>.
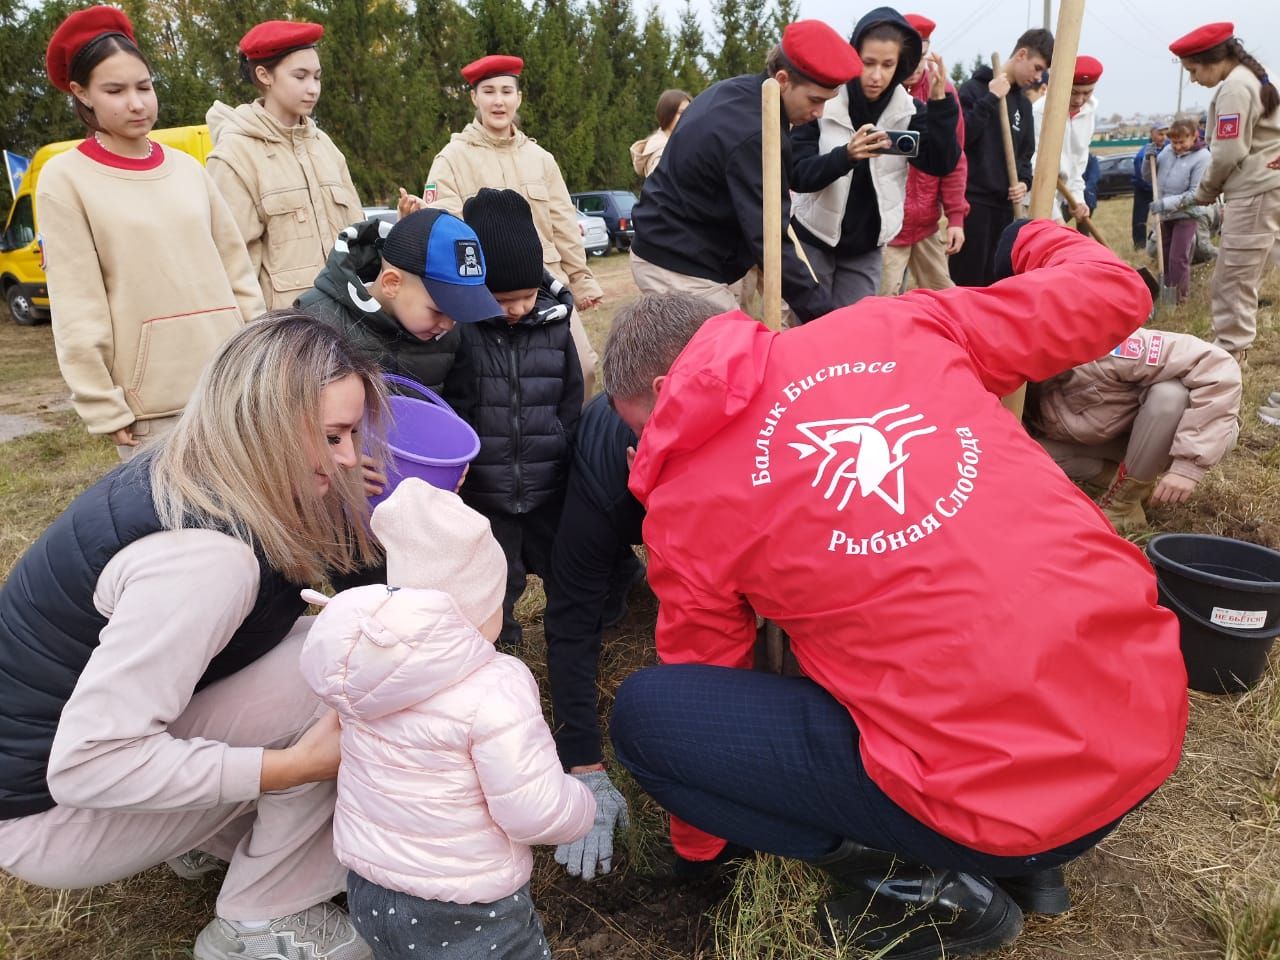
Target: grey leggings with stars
<point>398,926</point>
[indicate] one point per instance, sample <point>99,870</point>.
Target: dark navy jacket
<point>49,625</point>
<point>701,212</point>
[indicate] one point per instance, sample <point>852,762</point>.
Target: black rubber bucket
<point>1218,659</point>
<point>1225,582</point>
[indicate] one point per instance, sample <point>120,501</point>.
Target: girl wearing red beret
<point>147,272</point>
<point>286,182</point>
<point>491,151</point>
<point>1244,137</point>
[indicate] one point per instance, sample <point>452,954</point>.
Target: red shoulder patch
<point>1228,127</point>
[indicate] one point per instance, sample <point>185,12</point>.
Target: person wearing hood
<point>989,194</point>
<point>140,302</point>
<point>646,153</point>
<point>518,383</point>
<point>850,197</point>
<point>449,774</point>
<point>492,151</point>
<point>286,182</point>
<point>952,742</point>
<point>1082,115</point>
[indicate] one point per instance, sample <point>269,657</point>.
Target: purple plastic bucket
<point>427,440</point>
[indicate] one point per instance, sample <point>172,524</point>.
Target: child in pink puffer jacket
<point>449,773</point>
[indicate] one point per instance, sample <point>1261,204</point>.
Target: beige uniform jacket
<point>1098,401</point>
<point>646,153</point>
<point>148,277</point>
<point>1242,141</point>
<point>289,190</point>
<point>474,159</point>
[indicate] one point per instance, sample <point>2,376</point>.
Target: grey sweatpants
<point>280,846</point>
<point>397,925</point>
<point>1144,451</point>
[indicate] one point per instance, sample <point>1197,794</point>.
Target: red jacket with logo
<point>857,481</point>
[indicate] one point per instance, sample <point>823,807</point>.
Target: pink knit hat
<point>434,541</point>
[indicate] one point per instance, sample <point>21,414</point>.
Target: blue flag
<point>15,166</point>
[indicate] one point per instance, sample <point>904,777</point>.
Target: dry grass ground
<point>1195,873</point>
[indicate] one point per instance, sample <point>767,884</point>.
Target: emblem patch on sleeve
<point>429,194</point>
<point>1228,127</point>
<point>1155,347</point>
<point>1132,349</point>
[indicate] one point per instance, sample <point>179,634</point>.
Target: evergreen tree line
<point>392,90</point>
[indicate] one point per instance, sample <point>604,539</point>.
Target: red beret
<point>495,65</point>
<point>1088,70</point>
<point>75,33</point>
<point>820,53</point>
<point>274,37</point>
<point>921,25</point>
<point>1202,39</point>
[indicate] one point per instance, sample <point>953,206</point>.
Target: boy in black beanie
<point>517,381</point>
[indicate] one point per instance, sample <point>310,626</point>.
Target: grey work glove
<point>586,855</point>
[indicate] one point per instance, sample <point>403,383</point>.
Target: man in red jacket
<point>989,684</point>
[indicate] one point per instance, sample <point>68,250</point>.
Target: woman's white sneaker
<point>322,932</point>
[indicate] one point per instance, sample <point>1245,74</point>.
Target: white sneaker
<point>1270,414</point>
<point>322,932</point>
<point>195,864</point>
<point>1273,399</point>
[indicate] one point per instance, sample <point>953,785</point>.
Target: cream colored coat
<point>475,158</point>
<point>822,213</point>
<point>148,276</point>
<point>646,153</point>
<point>1238,164</point>
<point>1098,401</point>
<point>449,772</point>
<point>290,192</point>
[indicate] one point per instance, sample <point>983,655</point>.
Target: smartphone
<point>902,143</point>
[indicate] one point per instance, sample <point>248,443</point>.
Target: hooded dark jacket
<point>984,143</point>
<point>935,121</point>
<point>341,300</point>
<point>520,387</point>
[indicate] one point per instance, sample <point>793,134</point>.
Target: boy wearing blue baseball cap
<point>396,291</point>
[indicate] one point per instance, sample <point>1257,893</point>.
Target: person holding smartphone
<point>850,175</point>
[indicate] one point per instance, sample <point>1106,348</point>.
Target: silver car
<point>595,234</point>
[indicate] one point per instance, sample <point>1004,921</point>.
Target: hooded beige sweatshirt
<point>475,158</point>
<point>289,190</point>
<point>646,153</point>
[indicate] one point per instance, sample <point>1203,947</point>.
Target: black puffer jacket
<point>340,299</point>
<point>520,386</point>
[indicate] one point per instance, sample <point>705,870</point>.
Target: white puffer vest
<point>822,213</point>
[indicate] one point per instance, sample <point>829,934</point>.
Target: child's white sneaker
<point>322,932</point>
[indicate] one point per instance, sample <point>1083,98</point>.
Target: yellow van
<point>22,280</point>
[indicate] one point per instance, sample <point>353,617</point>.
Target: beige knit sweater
<point>148,276</point>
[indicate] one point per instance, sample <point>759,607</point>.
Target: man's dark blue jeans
<point>772,763</point>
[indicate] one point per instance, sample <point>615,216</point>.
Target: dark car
<point>614,208</point>
<point>1115,175</point>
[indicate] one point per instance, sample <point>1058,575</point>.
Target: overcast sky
<point>1130,37</point>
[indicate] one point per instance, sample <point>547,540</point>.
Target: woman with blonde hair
<point>148,275</point>
<point>491,151</point>
<point>646,153</point>
<point>284,179</point>
<point>151,703</point>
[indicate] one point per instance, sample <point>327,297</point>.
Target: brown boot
<point>1100,482</point>
<point>1122,503</point>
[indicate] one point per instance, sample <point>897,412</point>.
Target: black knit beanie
<point>512,251</point>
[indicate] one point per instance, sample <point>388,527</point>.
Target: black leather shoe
<point>1042,892</point>
<point>905,911</point>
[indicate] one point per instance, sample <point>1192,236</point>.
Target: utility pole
<point>1178,112</point>
<point>1048,14</point>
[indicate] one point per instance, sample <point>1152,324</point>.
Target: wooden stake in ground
<point>1057,106</point>
<point>771,166</point>
<point>1006,134</point>
<point>1087,222</point>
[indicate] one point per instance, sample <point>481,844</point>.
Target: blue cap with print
<point>445,253</point>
